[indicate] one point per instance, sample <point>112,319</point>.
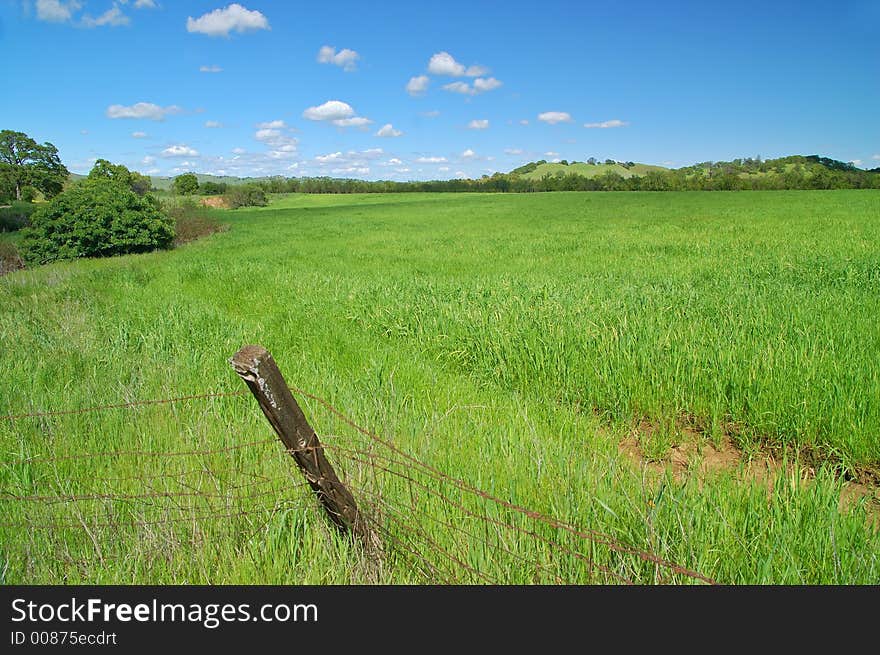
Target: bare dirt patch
<point>695,454</point>
<point>217,202</point>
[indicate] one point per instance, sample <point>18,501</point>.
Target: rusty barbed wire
<point>549,520</point>
<point>403,518</point>
<point>134,403</point>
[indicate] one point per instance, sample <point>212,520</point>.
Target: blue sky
<point>434,90</point>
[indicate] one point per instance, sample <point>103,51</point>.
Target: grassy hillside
<point>529,344</point>
<point>165,183</point>
<point>589,170</point>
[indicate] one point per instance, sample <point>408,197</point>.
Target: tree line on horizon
<point>785,173</point>
<point>29,170</point>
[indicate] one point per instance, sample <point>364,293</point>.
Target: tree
<point>24,162</point>
<point>96,217</point>
<point>186,184</point>
<point>246,195</point>
<point>209,188</point>
<point>138,183</point>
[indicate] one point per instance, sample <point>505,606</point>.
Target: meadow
<point>589,356</point>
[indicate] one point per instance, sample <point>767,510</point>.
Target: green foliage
<point>751,173</point>
<point>138,183</point>
<point>246,195</point>
<point>186,184</point>
<point>24,162</point>
<point>16,216</point>
<point>209,188</point>
<point>97,217</point>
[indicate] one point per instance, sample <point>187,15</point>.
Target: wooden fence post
<point>255,365</point>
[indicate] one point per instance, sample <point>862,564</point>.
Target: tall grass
<point>510,341</point>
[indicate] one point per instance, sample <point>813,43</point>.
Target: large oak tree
<point>24,162</point>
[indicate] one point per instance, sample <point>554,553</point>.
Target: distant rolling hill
<point>538,170</point>
<point>165,182</point>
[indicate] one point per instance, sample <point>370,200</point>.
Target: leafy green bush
<point>186,184</point>
<point>246,195</point>
<point>97,217</point>
<point>213,188</point>
<point>16,216</point>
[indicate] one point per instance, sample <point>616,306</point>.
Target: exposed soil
<point>217,202</point>
<point>695,454</point>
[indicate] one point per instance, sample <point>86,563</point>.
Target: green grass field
<point>515,342</point>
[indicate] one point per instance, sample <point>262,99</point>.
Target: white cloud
<point>476,70</point>
<point>444,168</point>
<point>210,69</point>
<point>144,4</point>
<point>146,110</point>
<point>233,18</point>
<point>480,86</point>
<point>524,121</point>
<point>329,159</point>
<point>352,162</point>
<point>354,121</point>
<point>181,150</point>
<point>332,110</point>
<point>238,151</point>
<point>461,175</point>
<point>607,124</point>
<point>479,124</point>
<point>513,151</point>
<point>55,11</point>
<point>139,135</point>
<point>554,117</point>
<point>148,160</point>
<point>458,87</point>
<point>213,124</point>
<point>345,58</point>
<point>431,160</point>
<point>388,130</point>
<point>281,146</point>
<point>442,63</point>
<point>468,154</point>
<point>272,125</point>
<point>434,113</point>
<point>417,85</point>
<point>337,112</point>
<point>113,17</point>
<point>875,157</point>
<point>551,153</point>
<point>394,161</point>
